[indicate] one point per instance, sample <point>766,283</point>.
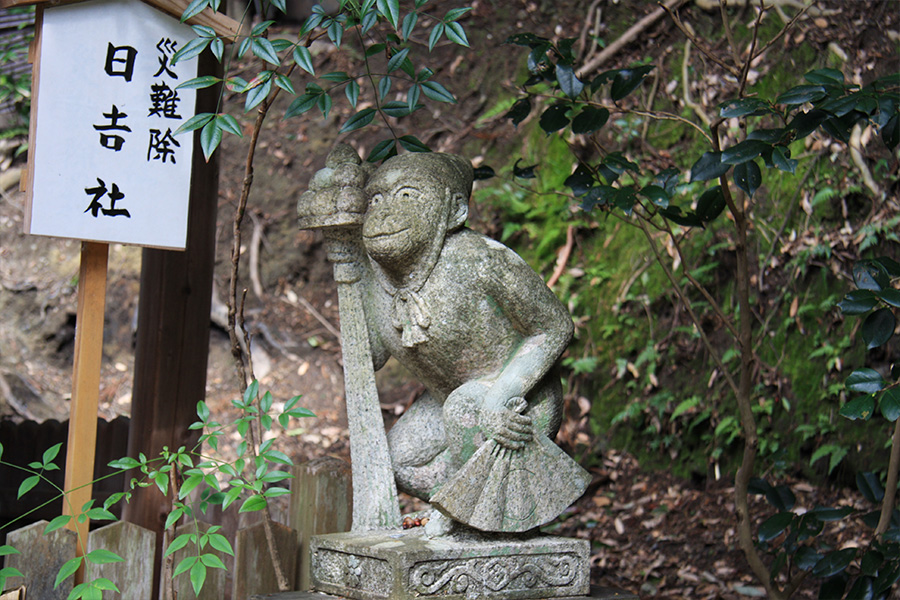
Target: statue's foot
<point>438,524</point>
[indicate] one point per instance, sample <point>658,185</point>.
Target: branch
<point>890,488</point>
<point>687,305</point>
<point>627,37</point>
<point>706,51</point>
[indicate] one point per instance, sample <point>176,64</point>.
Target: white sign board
<point>106,165</point>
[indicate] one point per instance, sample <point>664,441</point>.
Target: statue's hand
<point>506,425</point>
<point>335,194</point>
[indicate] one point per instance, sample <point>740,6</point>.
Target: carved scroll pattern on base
<point>496,574</point>
<point>349,570</point>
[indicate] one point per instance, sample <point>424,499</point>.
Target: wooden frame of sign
<point>112,134</point>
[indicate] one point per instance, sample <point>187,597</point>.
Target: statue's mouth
<point>379,236</point>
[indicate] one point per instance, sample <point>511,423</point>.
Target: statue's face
<point>405,217</point>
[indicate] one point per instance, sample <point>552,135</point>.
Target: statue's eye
<point>376,198</point>
<point>405,195</point>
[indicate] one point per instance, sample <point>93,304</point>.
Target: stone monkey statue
<point>464,313</point>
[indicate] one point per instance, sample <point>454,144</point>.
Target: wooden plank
<point>134,576</point>
<point>40,559</point>
<point>253,571</point>
<point>222,24</point>
<point>213,587</point>
<point>82,442</point>
<point>321,502</point>
<point>172,345</point>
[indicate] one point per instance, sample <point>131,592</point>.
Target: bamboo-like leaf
<point>456,34</point>
<point>359,120</point>
<point>67,570</point>
<point>390,9</point>
<point>102,556</point>
<point>304,59</point>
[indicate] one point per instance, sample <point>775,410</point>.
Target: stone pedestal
<point>408,565</point>
<point>597,593</point>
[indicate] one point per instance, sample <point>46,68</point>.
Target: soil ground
<point>651,532</point>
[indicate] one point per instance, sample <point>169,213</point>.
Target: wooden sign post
<point>104,165</point>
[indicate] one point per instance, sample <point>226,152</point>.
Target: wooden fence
<point>320,502</point>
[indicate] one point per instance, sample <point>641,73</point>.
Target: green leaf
<point>436,32</point>
<point>863,589</point>
<point>858,408</point>
<point>590,119</point>
<point>67,570</point>
<point>195,122</point>
<point>384,87</point>
<point>825,77</point>
<point>456,34</point>
<point>382,150</point>
<point>554,118</point>
<point>870,275</point>
<point>198,576</point>
<point>397,60</point>
<point>858,302</point>
<point>27,484</point>
<point>865,381</point>
<point>231,125</point>
<point>519,111</point>
<point>390,9</point>
<point>6,550</point>
<point>220,543</point>
<point>198,83</point>
<point>359,120</point>
<point>626,81</point>
<point>185,565</point>
<point>190,50</point>
<point>193,9</point>
<point>285,83</point>
<point>769,136</point>
<point>801,94</point>
<point>256,94</point>
<point>568,81</point>
<point>264,49</point>
<point>413,144</point>
<point>807,122</point>
<point>711,204</point>
<point>300,105</point>
<point>781,497</point>
<point>437,92</point>
<point>827,515</point>
<point>743,107</point>
<point>409,23</point>
<point>890,404</point>
<point>303,59</point>
<point>57,523</point>
<point>774,526</point>
<point>708,167</point>
<point>124,463</point>
<point>412,97</point>
<point>878,327</point>
<point>212,561</point>
<point>253,503</point>
<point>748,177</point>
<point>833,563</point>
<point>101,556</point>
<point>869,486</point>
<point>210,137</point>
<point>890,133</point>
<point>744,151</point>
<point>178,543</point>
<point>782,161</point>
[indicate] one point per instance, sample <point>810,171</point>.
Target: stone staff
<point>336,204</point>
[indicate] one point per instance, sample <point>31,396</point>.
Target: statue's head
<point>414,201</point>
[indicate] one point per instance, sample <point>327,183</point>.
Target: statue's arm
<point>536,313</point>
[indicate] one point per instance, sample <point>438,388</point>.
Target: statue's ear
<point>459,211</point>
